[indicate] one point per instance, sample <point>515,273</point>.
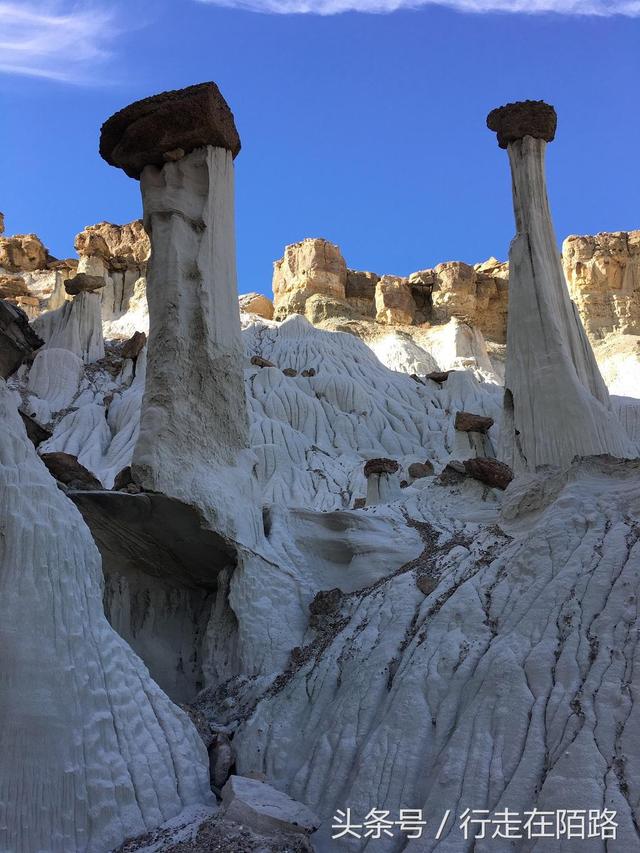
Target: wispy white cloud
<point>601,8</point>
<point>64,41</point>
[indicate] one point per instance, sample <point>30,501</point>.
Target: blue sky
<point>364,128</point>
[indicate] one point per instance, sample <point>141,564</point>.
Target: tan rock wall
<point>22,253</point>
<point>121,247</point>
<point>395,306</point>
<point>309,267</point>
<point>603,273</point>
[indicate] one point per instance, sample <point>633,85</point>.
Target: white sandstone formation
<point>193,425</point>
<point>119,254</point>
<point>55,378</point>
<point>372,626</point>
<point>75,326</point>
<point>556,403</point>
<point>92,750</point>
<point>265,809</point>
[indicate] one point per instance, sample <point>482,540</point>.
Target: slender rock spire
<point>194,426</point>
<point>556,404</point>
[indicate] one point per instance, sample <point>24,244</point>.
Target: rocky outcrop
<point>395,305</point>
<point>118,254</point>
<point>603,273</point>
<point>314,266</point>
<point>121,247</point>
<point>83,283</point>
<point>360,291</point>
<point>312,279</point>
<point>18,341</point>
<point>166,127</point>
<point>134,346</point>
<point>470,422</point>
<point>264,809</point>
<point>257,303</point>
<point>66,469</point>
<point>23,253</point>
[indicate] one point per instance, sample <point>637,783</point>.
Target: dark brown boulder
<point>35,433</point>
<point>426,584</point>
<point>221,760</point>
<point>469,422</point>
<point>326,601</point>
<point>417,470</point>
<point>122,479</point>
<point>289,371</point>
<point>309,373</point>
<point>134,346</point>
<point>83,283</point>
<point>67,470</point>
<point>489,471</point>
<point>163,127</point>
<point>359,503</point>
<point>18,341</point>
<point>523,118</point>
<point>258,361</point>
<point>439,376</point>
<point>380,466</point>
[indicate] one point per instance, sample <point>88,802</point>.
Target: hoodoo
<point>181,146</point>
<point>556,405</point>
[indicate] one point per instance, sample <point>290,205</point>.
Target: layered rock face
<point>311,267</point>
<point>603,273</point>
<point>23,252</point>
<point>93,751</point>
<point>315,270</point>
<point>119,255</point>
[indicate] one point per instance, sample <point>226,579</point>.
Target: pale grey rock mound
<point>530,619</point>
<point>92,750</point>
<point>265,809</point>
<point>75,326</point>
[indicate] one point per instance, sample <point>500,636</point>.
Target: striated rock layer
<point>92,750</point>
<point>556,403</point>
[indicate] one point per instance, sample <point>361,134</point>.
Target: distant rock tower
<point>556,405</point>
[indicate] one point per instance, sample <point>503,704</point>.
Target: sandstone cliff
<point>603,273</point>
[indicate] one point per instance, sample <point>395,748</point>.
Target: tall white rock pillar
<point>556,403</point>
<point>193,430</point>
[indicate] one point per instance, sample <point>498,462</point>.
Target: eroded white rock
<point>92,750</point>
